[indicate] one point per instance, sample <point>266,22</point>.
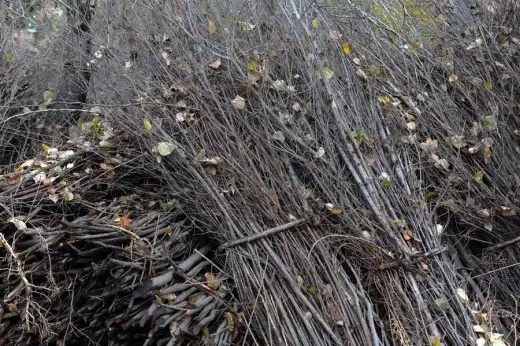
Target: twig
<point>265,233</point>
<point>19,269</point>
<point>501,245</point>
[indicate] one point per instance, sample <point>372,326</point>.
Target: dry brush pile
<point>283,173</point>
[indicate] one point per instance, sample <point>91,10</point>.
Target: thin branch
<point>501,245</point>
<point>265,233</point>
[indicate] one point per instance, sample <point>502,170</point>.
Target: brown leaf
<point>125,222</point>
<point>210,280</point>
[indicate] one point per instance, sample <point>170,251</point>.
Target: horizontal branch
<point>264,234</point>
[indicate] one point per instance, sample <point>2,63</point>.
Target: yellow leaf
<point>436,341</point>
<point>478,176</point>
<point>453,78</point>
<point>48,97</point>
<point>212,27</point>
<point>328,72</point>
<point>147,124</point>
<point>45,147</point>
<point>346,47</point>
<point>384,100</point>
<point>315,23</point>
<point>415,46</point>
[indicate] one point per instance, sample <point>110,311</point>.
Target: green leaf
<point>45,147</point>
<point>489,122</point>
<point>165,148</point>
<point>385,184</point>
<point>315,23</point>
<point>478,176</point>
<point>48,96</point>
<point>400,222</point>
<point>147,124</point>
<point>8,57</point>
<point>487,85</point>
<point>311,289</point>
<point>359,136</point>
<point>443,304</point>
<point>252,66</point>
<point>431,194</point>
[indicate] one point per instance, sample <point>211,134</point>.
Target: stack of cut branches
<point>92,249</point>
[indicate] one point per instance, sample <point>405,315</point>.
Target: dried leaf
<point>319,153</point>
<point>361,73</point>
<point>39,177</point>
<point>474,150</point>
<point>487,142</point>
<point>453,78</point>
<point>210,280</point>
<point>333,209</point>
<point>245,26</point>
<point>296,107</point>
<point>212,27</point>
<point>279,85</point>
<point>412,126</point>
<point>14,308</point>
<point>279,136</point>
<point>335,35</point>
<point>215,64</point>
<point>67,195</point>
<point>18,223</point>
<point>53,197</point>
<point>458,141</point>
<point>506,211</point>
<point>429,146</point>
<point>253,76</point>
<point>474,44</point>
<point>478,329</point>
<point>239,102</point>
<point>165,148</point>
<point>166,57</point>
<point>462,295</point>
